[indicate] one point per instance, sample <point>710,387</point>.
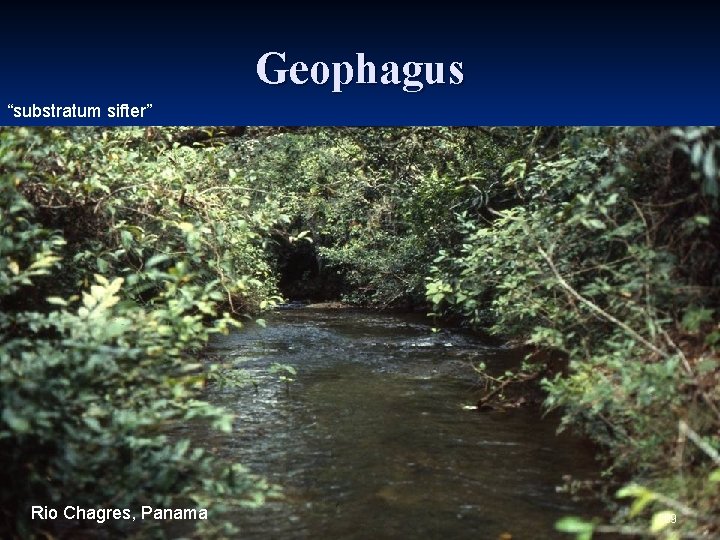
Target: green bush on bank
<point>610,256</point>
<point>110,283</point>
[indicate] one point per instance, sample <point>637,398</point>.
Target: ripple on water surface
<point>371,440</point>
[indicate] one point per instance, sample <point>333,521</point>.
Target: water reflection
<point>371,440</point>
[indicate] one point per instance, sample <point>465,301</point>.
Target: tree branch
<point>595,308</point>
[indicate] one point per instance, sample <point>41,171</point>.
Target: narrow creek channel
<point>371,439</point>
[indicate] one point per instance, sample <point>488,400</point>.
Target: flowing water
<point>371,439</point>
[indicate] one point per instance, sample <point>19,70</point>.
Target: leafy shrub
<point>599,259</point>
<point>97,371</point>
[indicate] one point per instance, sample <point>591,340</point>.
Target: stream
<point>371,440</point>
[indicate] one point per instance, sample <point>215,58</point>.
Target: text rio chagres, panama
<point>101,515</point>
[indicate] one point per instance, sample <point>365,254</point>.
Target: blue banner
<point>446,65</point>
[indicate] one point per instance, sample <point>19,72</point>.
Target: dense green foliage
<point>122,250</point>
<point>109,283</point>
<point>380,203</point>
<point>610,256</point>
